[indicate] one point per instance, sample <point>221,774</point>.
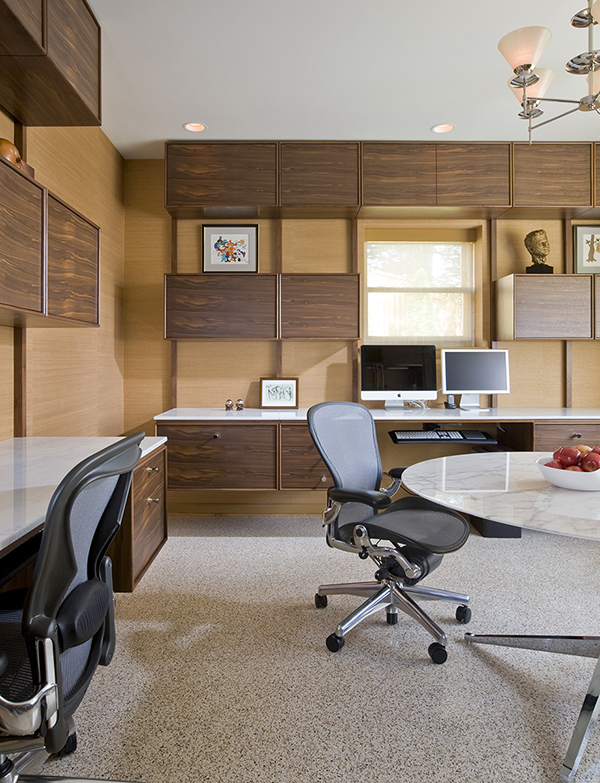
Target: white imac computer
<point>473,371</point>
<point>397,374</point>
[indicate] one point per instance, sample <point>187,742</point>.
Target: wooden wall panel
<point>536,371</point>
<point>6,382</point>
<point>512,255</point>
<point>316,245</point>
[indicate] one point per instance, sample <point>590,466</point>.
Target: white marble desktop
<point>440,415</point>
<point>506,487</point>
<point>30,471</point>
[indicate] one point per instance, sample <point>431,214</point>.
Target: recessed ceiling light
<point>195,127</point>
<point>442,128</point>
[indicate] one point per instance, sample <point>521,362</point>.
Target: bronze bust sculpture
<point>538,246</point>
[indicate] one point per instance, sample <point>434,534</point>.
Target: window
<point>420,291</point>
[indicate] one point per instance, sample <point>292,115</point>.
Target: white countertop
<point>379,414</point>
<point>30,471</point>
<point>506,487</point>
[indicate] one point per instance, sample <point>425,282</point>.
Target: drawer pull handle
<point>216,435</point>
<point>576,434</point>
<point>323,478</point>
<point>153,500</point>
<point>152,470</point>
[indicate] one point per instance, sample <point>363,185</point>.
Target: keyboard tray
<point>457,437</point>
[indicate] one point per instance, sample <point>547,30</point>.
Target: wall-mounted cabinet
<point>545,307</point>
<point>399,174</point>
<point>261,306</point>
<point>549,175</point>
<point>49,257</point>
<point>473,174</point>
<point>319,174</point>
<point>50,59</point>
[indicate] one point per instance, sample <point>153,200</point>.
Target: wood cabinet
<point>399,174</point>
<point>319,173</point>
<point>221,174</point>
<point>143,531</point>
<point>221,455</point>
<point>50,62</point>
<point>301,464</point>
<point>473,174</point>
<point>547,175</point>
<point>226,306</point>
<point>22,223</point>
<point>320,306</point>
<point>546,307</point>
<point>73,264</point>
<point>547,436</point>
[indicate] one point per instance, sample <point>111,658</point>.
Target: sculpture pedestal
<point>539,269</point>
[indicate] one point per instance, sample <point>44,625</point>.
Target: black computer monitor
<point>398,373</point>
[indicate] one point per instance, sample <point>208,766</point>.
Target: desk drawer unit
<point>548,437</point>
<point>301,463</point>
<point>221,455</point>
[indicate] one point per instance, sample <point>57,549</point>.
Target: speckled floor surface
<point>222,675</point>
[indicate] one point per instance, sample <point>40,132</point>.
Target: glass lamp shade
<point>537,90</point>
<point>595,9</point>
<point>524,46</point>
<point>593,80</point>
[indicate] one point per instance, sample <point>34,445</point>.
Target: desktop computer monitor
<point>398,373</point>
<point>474,371</point>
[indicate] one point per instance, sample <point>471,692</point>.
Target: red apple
<point>554,463</point>
<point>596,449</point>
<point>583,449</point>
<point>575,468</point>
<point>568,455</point>
<point>590,461</point>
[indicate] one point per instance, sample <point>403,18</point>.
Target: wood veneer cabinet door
<point>547,307</point>
<point>321,306</point>
<point>399,174</point>
<point>221,455</point>
<point>473,174</point>
<point>548,437</point>
<point>226,306</point>
<point>73,258</point>
<point>301,463</point>
<point>319,174</point>
<point>547,175</point>
<point>21,245</point>
<point>221,174</point>
<point>21,27</point>
<point>58,85</point>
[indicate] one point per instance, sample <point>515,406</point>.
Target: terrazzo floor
<point>221,673</point>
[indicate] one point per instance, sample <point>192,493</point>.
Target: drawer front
<point>301,463</point>
<point>221,456</point>
<point>548,437</point>
<point>149,510</point>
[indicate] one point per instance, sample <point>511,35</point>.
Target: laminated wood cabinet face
<point>301,463</point>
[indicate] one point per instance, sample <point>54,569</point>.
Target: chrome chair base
<point>584,646</point>
<point>394,596</point>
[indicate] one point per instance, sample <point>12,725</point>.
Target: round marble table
<point>505,487</point>
<point>508,487</point>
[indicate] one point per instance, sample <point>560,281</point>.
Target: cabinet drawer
<point>149,529</point>
<point>301,463</point>
<point>221,455</point>
<point>548,437</point>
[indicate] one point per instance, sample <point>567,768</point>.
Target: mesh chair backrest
<point>344,433</point>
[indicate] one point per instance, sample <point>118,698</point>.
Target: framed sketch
<point>279,392</point>
<point>586,249</point>
<point>229,248</point>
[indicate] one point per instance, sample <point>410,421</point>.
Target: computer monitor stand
<point>394,405</point>
<point>470,402</point>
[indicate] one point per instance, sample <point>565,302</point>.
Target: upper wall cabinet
<point>236,174</point>
<point>50,61</point>
<point>320,306</point>
<point>548,175</point>
<point>473,174</point>
<point>399,174</point>
<point>319,174</point>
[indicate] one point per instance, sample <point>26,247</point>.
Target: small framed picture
<point>230,248</point>
<point>586,249</point>
<point>279,392</point>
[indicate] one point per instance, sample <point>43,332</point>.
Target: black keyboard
<point>428,436</point>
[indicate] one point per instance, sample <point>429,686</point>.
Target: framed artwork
<point>586,249</point>
<point>229,248</point>
<point>279,392</point>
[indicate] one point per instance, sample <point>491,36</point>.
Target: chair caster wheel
<point>70,746</point>
<point>437,652</point>
<point>463,614</point>
<point>320,601</point>
<point>334,643</point>
<point>391,618</point>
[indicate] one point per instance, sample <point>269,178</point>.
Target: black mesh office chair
<point>359,516</point>
<point>54,634</point>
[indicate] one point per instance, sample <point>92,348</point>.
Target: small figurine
<point>239,406</point>
<point>228,405</point>
<point>538,246</point>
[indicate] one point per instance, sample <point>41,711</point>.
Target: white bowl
<point>570,479</point>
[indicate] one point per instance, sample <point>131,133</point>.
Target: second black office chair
<point>415,532</point>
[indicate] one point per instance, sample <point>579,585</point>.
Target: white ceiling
<point>327,69</point>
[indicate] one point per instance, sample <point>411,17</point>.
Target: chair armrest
<point>370,497</point>
<point>396,473</point>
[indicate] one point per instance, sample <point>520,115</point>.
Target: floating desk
<point>509,488</point>
<point>30,471</point>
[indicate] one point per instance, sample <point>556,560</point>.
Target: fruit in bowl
<point>573,467</point>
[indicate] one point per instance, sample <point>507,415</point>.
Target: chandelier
<point>523,49</point>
